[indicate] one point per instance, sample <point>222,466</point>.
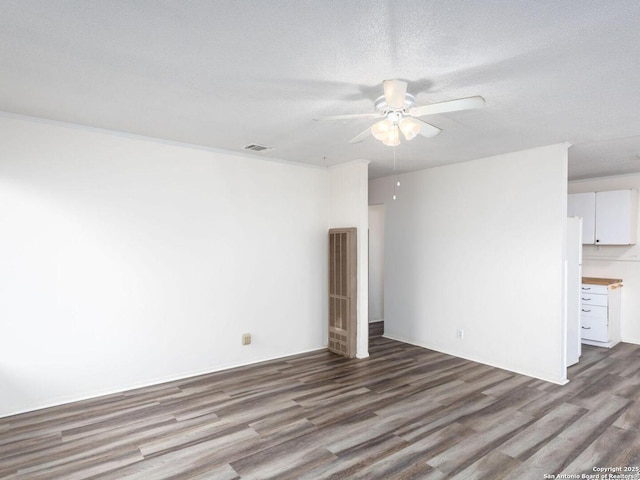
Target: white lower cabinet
<point>595,329</point>
<point>600,311</point>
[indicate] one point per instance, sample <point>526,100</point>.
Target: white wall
<point>615,261</point>
<point>376,263</point>
<point>126,262</point>
<point>348,207</point>
<point>480,246</point>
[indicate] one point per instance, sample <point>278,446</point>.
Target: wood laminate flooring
<point>405,412</point>
<point>376,329</point>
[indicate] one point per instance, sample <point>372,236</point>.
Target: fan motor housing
<point>382,107</point>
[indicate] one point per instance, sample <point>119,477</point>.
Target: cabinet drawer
<point>594,329</point>
<point>587,298</point>
<point>594,311</point>
<point>591,288</point>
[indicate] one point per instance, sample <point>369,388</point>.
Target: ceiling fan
<point>399,110</point>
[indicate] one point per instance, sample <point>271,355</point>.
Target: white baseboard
<point>148,383</point>
<point>562,381</point>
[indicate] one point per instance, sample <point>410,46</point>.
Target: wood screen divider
<point>343,289</point>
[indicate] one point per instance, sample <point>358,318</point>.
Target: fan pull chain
<point>395,172</point>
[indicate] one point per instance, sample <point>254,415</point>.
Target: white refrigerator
<point>573,284</point>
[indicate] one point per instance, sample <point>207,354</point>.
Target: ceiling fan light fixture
<point>399,112</point>
<point>381,130</point>
<point>393,137</point>
<point>410,127</point>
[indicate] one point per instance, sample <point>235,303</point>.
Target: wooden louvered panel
<point>342,291</point>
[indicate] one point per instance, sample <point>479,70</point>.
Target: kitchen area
<point>602,227</point>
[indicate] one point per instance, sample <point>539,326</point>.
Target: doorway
<point>376,270</point>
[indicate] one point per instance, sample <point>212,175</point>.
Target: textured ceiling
<point>225,74</point>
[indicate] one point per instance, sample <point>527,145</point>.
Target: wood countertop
<point>601,281</point>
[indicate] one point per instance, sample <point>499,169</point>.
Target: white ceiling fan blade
<point>427,130</point>
<point>349,117</point>
<point>361,137</point>
<point>394,92</point>
<point>449,106</point>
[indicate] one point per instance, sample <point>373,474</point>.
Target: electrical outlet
<point>246,338</point>
<point>460,333</point>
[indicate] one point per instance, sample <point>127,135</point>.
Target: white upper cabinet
<point>584,205</point>
<point>617,217</point>
<point>609,218</point>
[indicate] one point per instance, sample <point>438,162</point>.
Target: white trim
<point>153,382</point>
<point>403,340</point>
<point>607,177</point>
<point>610,259</point>
<point>359,161</point>
<point>145,138</point>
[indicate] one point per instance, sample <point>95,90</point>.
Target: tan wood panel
<point>601,281</point>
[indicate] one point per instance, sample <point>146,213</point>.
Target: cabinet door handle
<point>587,328</point>
<point>586,311</point>
<point>586,299</point>
<point>586,288</point>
